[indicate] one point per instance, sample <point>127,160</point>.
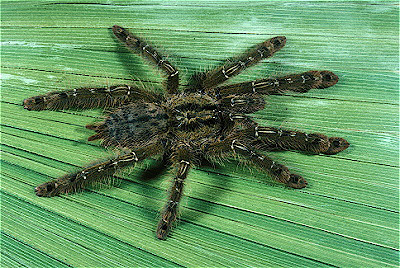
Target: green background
<point>348,216</point>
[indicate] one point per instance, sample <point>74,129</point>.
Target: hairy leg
<point>269,138</point>
<point>295,82</point>
<point>207,80</point>
<point>170,211</point>
<point>277,171</point>
<point>95,172</point>
<point>139,46</point>
<point>87,98</point>
<point>244,103</point>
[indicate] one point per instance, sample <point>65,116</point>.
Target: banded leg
<point>207,80</point>
<point>277,171</point>
<point>270,138</point>
<point>86,98</point>
<point>137,45</point>
<point>170,211</point>
<point>94,173</point>
<point>242,104</point>
<point>295,82</point>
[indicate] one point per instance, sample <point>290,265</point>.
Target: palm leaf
<point>348,216</point>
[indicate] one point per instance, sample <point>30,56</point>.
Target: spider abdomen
<point>132,125</point>
<point>136,123</point>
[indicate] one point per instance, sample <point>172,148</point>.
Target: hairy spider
<point>204,121</point>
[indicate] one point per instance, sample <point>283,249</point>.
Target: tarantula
<point>203,121</point>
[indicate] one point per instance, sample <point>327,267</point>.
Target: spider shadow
<point>276,109</point>
<point>155,170</point>
<point>130,61</point>
<point>193,207</point>
<point>277,112</point>
<point>205,200</point>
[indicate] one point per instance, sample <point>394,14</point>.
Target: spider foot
<point>48,189</point>
<point>282,174</point>
<point>319,143</point>
<point>324,79</point>
<point>296,181</point>
<point>36,103</point>
<point>336,145</point>
<point>163,230</point>
<point>278,42</point>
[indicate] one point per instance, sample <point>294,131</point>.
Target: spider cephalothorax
<point>203,121</point>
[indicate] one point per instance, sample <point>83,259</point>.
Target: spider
<point>204,121</point>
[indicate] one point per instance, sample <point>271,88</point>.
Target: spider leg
<point>95,172</point>
<point>139,46</point>
<point>207,80</point>
<point>244,103</point>
<point>295,82</point>
<point>269,138</point>
<point>87,98</point>
<point>277,171</point>
<point>170,211</point>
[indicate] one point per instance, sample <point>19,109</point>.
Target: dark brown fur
<point>185,127</point>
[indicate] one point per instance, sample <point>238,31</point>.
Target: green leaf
<point>347,216</point>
